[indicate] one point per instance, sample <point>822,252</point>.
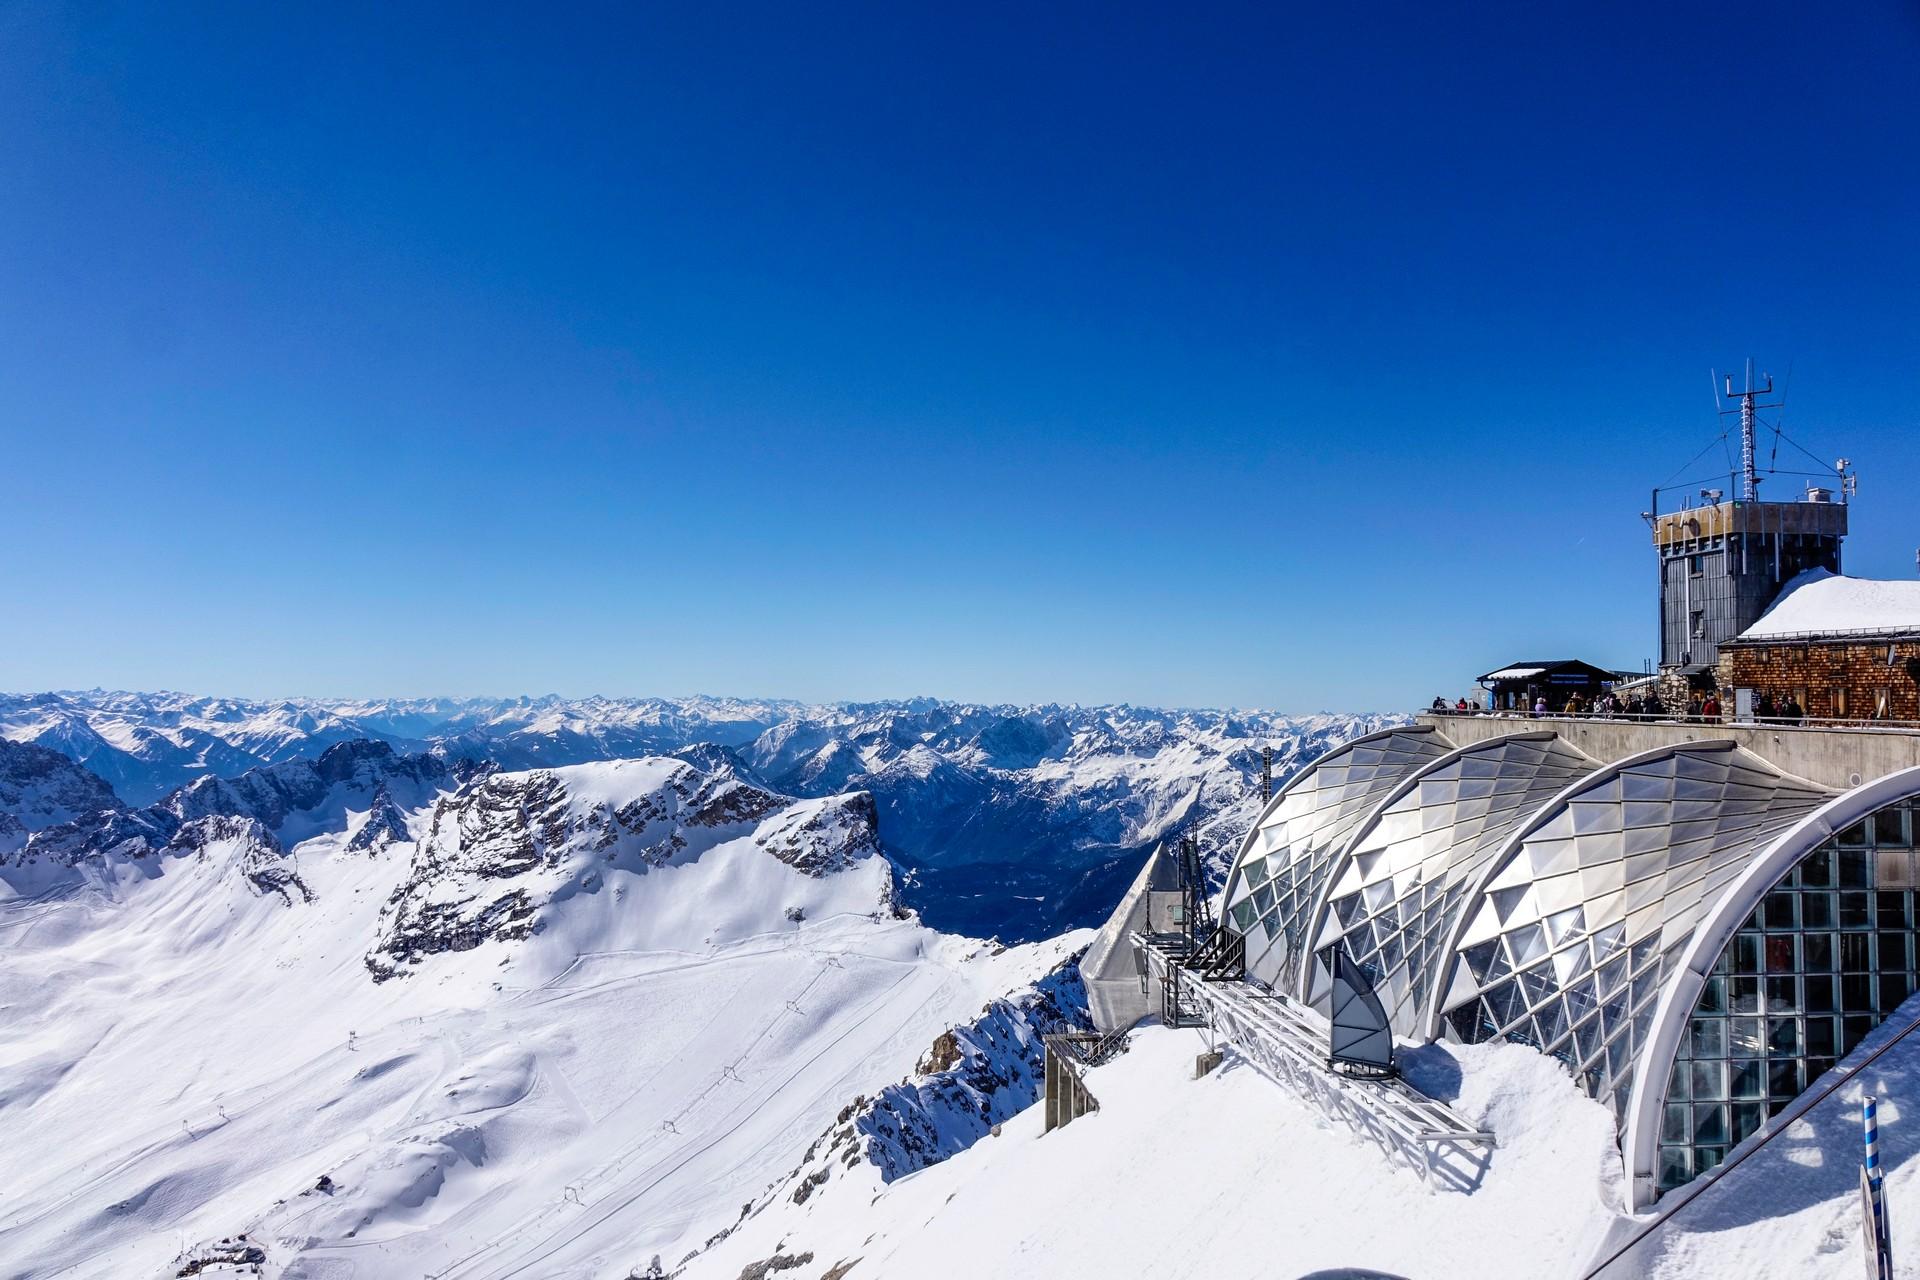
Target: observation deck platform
<point>1839,755</point>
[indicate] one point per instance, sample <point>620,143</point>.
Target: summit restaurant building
<point>1700,920</point>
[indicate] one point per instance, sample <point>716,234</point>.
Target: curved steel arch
<point>1640,1142</point>
<point>1572,934</point>
<point>1317,919</point>
<point>1432,1022</point>
<point>1276,900</point>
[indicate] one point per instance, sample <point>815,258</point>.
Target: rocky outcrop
<point>503,847</point>
<point>259,857</point>
<point>820,837</point>
<point>40,788</point>
<point>973,1077</point>
<point>275,793</point>
<point>285,801</point>
<point>385,825</point>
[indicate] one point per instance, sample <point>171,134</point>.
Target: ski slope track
<point>706,974</point>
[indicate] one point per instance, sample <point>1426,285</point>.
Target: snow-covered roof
<point>1513,673</point>
<point>1818,602</point>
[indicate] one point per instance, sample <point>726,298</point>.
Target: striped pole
<point>1876,1187</point>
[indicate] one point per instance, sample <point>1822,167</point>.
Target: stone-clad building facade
<point>1842,648</point>
<point>1831,679</point>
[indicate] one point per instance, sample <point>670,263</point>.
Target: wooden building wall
<point>1842,679</point>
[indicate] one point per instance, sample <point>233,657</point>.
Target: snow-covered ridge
<point>505,849</point>
<point>1014,821</point>
<point>691,974</point>
<point>41,788</point>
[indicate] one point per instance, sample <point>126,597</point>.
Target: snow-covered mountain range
<point>1016,822</point>
<point>397,1010</point>
<point>538,1022</point>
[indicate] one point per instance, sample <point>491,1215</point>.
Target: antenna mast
<point>1749,472</point>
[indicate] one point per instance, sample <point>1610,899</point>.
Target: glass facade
<point>1517,890</point>
<point>1283,865</point>
<point>1394,896</point>
<point>1827,954</point>
<point>1568,944</point>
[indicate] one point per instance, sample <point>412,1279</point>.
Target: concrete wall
<point>1837,758</point>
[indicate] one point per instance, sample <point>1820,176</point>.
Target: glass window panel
<point>1783,1037</point>
<point>1749,1077</point>
<point>1710,1124</point>
<point>1856,910</point>
<point>1675,1125</point>
<point>1709,1038</point>
<point>1856,992</point>
<point>1713,996</point>
<point>1816,869</point>
<point>1675,1167</point>
<point>1527,945</point>
<point>1890,827</point>
<point>1747,1119</point>
<point>1856,952</point>
<point>1817,910</point>
<point>1893,952</point>
<point>1782,955</point>
<point>1679,1083</point>
<point>1746,953</point>
<point>1783,1079</point>
<point>1854,1028</point>
<point>1823,1037</point>
<point>1744,995</point>
<point>1817,993</point>
<point>1894,988</point>
<point>1782,910</point>
<point>1479,957</point>
<point>1745,1037</point>
<point>1709,1080</point>
<point>1816,952</point>
<point>1853,837</point>
<point>1706,1158</point>
<point>1895,910</point>
<point>1855,868</point>
<point>1782,996</point>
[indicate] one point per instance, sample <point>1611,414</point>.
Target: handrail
<point>1723,720</point>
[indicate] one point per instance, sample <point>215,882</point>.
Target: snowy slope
<point>192,1056</point>
<point>1230,1175</point>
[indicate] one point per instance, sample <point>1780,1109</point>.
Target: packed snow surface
<point>1818,601</point>
<point>191,1059</point>
<point>1231,1175</point>
<point>1234,1176</point>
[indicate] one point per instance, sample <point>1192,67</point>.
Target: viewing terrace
<point>1833,753</point>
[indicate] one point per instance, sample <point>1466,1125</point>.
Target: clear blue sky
<point>1228,356</point>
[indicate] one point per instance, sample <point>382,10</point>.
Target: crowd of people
<point>1702,707</point>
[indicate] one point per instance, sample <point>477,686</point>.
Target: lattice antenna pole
<point>1748,397</point>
